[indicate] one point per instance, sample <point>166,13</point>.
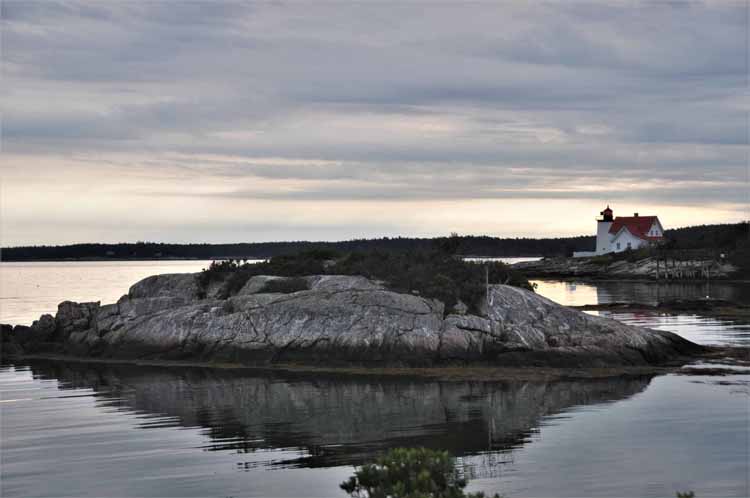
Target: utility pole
<point>487,286</point>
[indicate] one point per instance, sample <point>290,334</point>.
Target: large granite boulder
<point>342,283</point>
<point>74,317</point>
<point>179,285</point>
<point>333,320</point>
<point>257,283</point>
<point>531,323</point>
<point>43,330</point>
<point>349,319</point>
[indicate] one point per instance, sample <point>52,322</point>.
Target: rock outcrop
<point>342,320</point>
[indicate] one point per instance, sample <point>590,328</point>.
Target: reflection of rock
<point>340,420</point>
<point>349,319</point>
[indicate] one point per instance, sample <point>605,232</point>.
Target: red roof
<point>637,225</point>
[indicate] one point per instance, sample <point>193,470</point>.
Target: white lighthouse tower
<point>603,225</point>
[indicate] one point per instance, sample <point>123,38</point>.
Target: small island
<point>638,248</point>
<point>319,309</point>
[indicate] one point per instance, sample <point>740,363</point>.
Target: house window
<point>629,247</point>
<point>618,245</point>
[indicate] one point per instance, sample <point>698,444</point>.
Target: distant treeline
<point>727,237</point>
<point>470,245</point>
<point>723,237</point>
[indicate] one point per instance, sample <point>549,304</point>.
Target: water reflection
<point>695,328</point>
<point>334,420</point>
<point>733,331</point>
<point>651,293</point>
<point>82,430</point>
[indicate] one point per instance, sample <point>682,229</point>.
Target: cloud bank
<point>235,121</point>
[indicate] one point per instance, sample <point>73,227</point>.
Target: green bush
<point>415,473</point>
<point>434,274</point>
<point>235,273</point>
<point>219,270</point>
<point>409,473</point>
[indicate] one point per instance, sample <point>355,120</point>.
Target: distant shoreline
<point>76,260</point>
<point>215,258</point>
<point>531,275</point>
<point>690,238</point>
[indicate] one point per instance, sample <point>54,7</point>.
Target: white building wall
<point>656,229</point>
<point>624,240</point>
<point>603,237</point>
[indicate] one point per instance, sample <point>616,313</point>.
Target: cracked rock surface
<point>341,320</point>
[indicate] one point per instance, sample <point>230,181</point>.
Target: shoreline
<point>118,260</point>
<point>213,258</point>
<point>645,279</point>
<point>635,268</point>
<point>563,277</point>
<point>457,373</point>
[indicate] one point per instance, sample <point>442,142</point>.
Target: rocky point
<point>338,320</point>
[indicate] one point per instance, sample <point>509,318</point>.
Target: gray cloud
<point>368,102</point>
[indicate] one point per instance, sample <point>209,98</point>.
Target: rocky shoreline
<point>607,268</point>
<point>728,360</point>
<point>338,321</point>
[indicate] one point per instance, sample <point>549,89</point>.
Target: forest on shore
<point>724,237</point>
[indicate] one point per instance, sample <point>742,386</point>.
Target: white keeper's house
<point>623,233</point>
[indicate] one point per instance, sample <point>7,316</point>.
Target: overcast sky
<point>221,121</point>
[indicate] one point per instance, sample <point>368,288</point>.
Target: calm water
<point>509,261</point>
<point>700,329</point>
<point>579,294</point>
<point>71,429</point>
<point>28,290</point>
<point>77,430</point>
